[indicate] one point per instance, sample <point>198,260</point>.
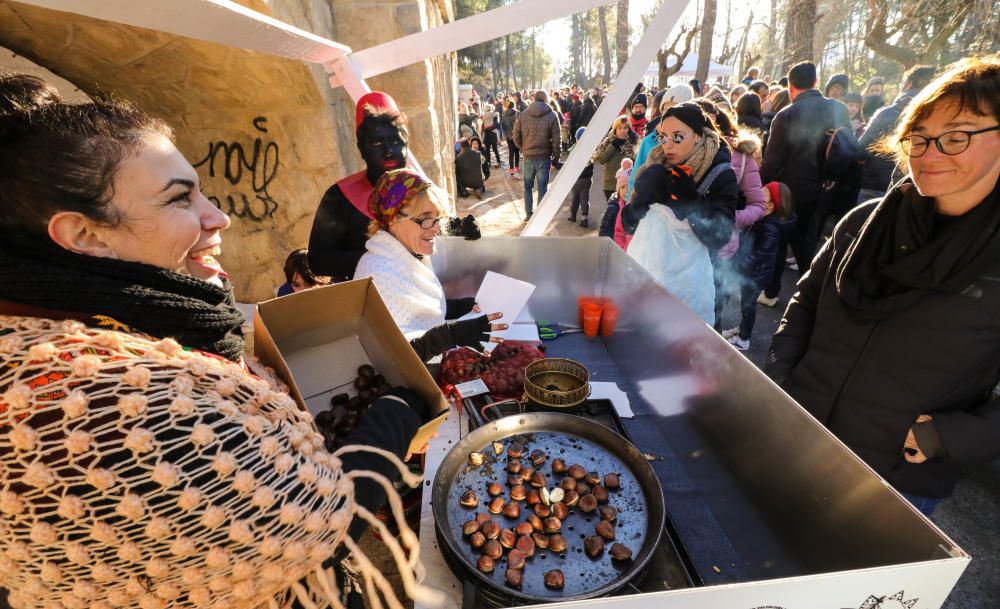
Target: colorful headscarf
<point>392,192</point>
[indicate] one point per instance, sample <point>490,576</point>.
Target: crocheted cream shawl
<point>135,473</point>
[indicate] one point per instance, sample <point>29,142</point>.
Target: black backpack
<point>840,150</point>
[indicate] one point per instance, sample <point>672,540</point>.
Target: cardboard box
<point>315,340</point>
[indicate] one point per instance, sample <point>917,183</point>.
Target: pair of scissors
<point>553,332</point>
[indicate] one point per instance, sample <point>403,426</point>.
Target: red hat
<point>775,190</point>
<point>377,101</point>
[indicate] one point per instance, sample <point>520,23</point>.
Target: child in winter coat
<point>610,218</point>
<point>580,194</point>
<point>621,237</point>
<point>760,247</point>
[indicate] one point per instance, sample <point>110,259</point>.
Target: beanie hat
<point>690,114</point>
<point>775,189</point>
<point>640,99</point>
<point>627,164</point>
<point>374,102</point>
<point>679,94</point>
<point>393,191</point>
<point>622,175</point>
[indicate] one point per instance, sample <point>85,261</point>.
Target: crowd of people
<point>129,401</point>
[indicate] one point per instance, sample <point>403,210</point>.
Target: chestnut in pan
<point>582,488</point>
<point>494,489</point>
<point>533,497</point>
<point>515,559</point>
<point>535,522</point>
<point>612,482</point>
<point>571,498</point>
<point>538,457</point>
<point>606,530</point>
<point>542,510</point>
<point>518,492</point>
<point>494,550</point>
<point>524,528</point>
<point>620,552</point>
<point>557,543</point>
<point>592,478</point>
<point>541,540</point>
<point>485,564</point>
<point>608,512</point>
<point>552,525</point>
<point>508,538</point>
<point>514,577</point>
<point>516,449</point>
<point>577,472</point>
<point>568,484</point>
<point>559,466</point>
<point>469,499</point>
<point>560,511</point>
<point>496,505</point>
<point>526,545</point>
<point>555,579</point>
<point>491,530</point>
<point>538,480</point>
<point>588,503</point>
<point>482,517</point>
<point>512,510</point>
<point>593,546</point>
<point>514,466</point>
<point>477,540</point>
<point>600,493</point>
<point>470,527</point>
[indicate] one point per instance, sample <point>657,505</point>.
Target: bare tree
<point>621,33</point>
<point>669,59</point>
<point>602,23</point>
<point>705,40</point>
<point>799,24</point>
<point>919,31</point>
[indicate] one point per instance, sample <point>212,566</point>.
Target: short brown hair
<point>973,82</point>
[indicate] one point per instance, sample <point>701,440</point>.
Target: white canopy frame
<point>226,22</point>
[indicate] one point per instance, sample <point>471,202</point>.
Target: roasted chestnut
<point>538,480</point>
<point>494,550</point>
<point>535,522</point>
<point>571,498</point>
<point>592,478</point>
<point>606,530</point>
<point>514,577</point>
<point>512,510</point>
<point>568,484</point>
<point>543,510</point>
<point>541,540</point>
<point>612,482</point>
<point>551,525</point>
<point>593,546</point>
<point>362,382</point>
<point>516,449</point>
<point>557,543</point>
<point>469,499</point>
<point>366,395</point>
<point>600,493</point>
<point>582,488</point>
<point>514,466</point>
<point>366,371</point>
<point>514,479</point>
<point>538,457</point>
<point>577,472</point>
<point>608,513</point>
<point>620,552</point>
<point>494,489</point>
<point>528,472</point>
<point>470,527</point>
<point>524,528</point>
<point>476,540</point>
<point>588,503</point>
<point>560,511</point>
<point>378,380</point>
<point>555,579</point>
<point>556,495</point>
<point>485,564</point>
<point>476,459</point>
<point>490,530</point>
<point>533,497</point>
<point>559,466</point>
<point>507,538</point>
<point>518,492</point>
<point>526,545</point>
<point>482,517</point>
<point>515,559</point>
<point>340,399</point>
<point>496,505</point>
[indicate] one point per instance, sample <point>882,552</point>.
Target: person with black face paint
<point>340,228</point>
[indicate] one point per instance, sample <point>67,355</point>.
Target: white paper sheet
<point>610,391</point>
<point>502,294</point>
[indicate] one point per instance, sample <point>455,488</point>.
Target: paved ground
<point>970,516</point>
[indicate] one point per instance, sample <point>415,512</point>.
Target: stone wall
<point>267,135</point>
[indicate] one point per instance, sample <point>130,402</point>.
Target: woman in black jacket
<point>749,112</point>
<point>892,339</point>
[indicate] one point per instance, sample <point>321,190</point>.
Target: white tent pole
<point>618,96</point>
<point>219,21</point>
<point>464,33</point>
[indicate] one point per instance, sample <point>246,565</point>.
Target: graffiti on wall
<point>248,174</point>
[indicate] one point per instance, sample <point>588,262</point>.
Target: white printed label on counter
<point>471,388</point>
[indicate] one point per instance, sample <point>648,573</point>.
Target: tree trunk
<point>799,32</point>
<point>705,42</point>
<point>602,23</point>
<point>621,34</point>
<point>770,50</point>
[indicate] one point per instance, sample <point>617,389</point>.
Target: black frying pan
<point>576,440</point>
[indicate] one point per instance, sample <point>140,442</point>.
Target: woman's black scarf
<point>160,303</point>
<point>906,251</point>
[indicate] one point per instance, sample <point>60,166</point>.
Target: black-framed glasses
<point>663,138</point>
<point>425,223</point>
<point>950,143</point>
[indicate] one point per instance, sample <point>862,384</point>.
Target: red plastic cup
<point>583,301</point>
<point>591,318</point>
<point>609,318</point>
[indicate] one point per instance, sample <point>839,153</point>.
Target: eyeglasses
<point>950,143</point>
<point>425,223</point>
<point>662,138</point>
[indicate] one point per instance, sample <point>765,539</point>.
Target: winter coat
<point>536,132</point>
<point>867,381</point>
<point>491,124</point>
<point>796,143</point>
<point>645,146</point>
<point>610,218</point>
<point>507,122</point>
<point>574,116</point>
<point>711,215</point>
<point>611,160</point>
<point>876,172</point>
<point>763,241</point>
<point>586,113</point>
<point>837,79</point>
<point>469,169</point>
<point>748,176</point>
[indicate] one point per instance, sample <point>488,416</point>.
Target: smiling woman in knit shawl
<point>140,463</point>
